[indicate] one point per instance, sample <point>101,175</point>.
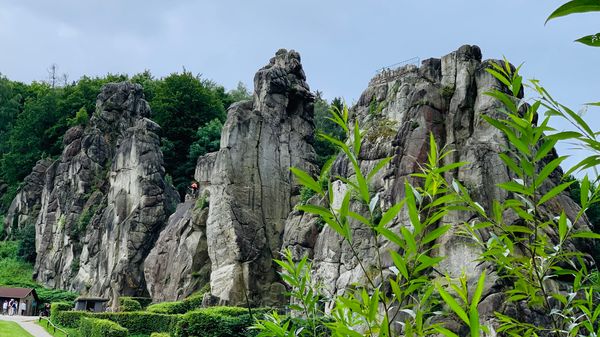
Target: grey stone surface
<point>104,201</point>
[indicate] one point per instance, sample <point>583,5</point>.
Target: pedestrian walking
<point>22,308</point>
<point>5,308</point>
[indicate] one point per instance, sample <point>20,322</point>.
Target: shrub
<point>160,334</point>
<point>127,304</point>
<point>178,307</point>
<point>70,319</point>
<point>56,307</point>
<point>94,327</point>
<point>141,322</point>
<point>217,322</point>
<point>144,301</point>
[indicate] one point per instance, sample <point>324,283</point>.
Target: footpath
<point>28,323</point>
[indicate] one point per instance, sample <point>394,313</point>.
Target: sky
<point>342,43</point>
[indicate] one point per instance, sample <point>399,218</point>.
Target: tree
<point>209,139</point>
<point>181,104</point>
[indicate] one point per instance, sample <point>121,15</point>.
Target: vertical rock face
<point>179,265</point>
<point>105,200</point>
<point>25,207</point>
<point>398,111</point>
<point>252,188</point>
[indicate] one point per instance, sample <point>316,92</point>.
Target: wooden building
<point>22,295</point>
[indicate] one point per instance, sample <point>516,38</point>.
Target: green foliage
<point>69,319</point>
<point>26,238</point>
<point>81,118</point>
<point>577,7</point>
<point>57,307</point>
<point>160,334</point>
<point>323,125</point>
<point>93,327</point>
<point>526,256</point>
<point>15,272</point>
<point>128,304</point>
<point>8,249</point>
<point>208,139</point>
<point>367,306</point>
<point>178,307</point>
<point>141,322</point>
<point>215,322</point>
<point>182,103</point>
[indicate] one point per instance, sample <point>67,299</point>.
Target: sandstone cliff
<point>99,207</point>
<point>398,111</point>
<point>102,210</point>
<point>249,189</point>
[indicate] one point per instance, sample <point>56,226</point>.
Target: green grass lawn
<point>12,329</point>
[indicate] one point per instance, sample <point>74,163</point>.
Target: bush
<point>178,307</point>
<point>144,301</point>
<point>127,304</point>
<point>160,334</point>
<point>216,322</point>
<point>141,322</point>
<point>70,319</point>
<point>93,327</point>
<point>56,307</point>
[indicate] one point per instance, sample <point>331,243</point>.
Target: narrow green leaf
<point>554,192</point>
<point>314,209</point>
<point>390,235</point>
<point>562,226</point>
<point>399,263</point>
<point>590,40</point>
<point>436,233</point>
<point>586,235</point>
<point>547,170</point>
<point>445,332</point>
<point>412,206</point>
<point>306,180</point>
<point>574,7</point>
<point>409,238</point>
<point>451,302</point>
<point>390,214</point>
<point>511,164</point>
<point>546,147</point>
<point>378,167</point>
<point>357,138</point>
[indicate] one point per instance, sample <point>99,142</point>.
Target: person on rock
<point>194,188</point>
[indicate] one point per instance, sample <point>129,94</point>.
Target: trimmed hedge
<point>70,319</point>
<point>144,301</point>
<point>57,307</point>
<point>217,322</point>
<point>94,327</point>
<point>141,322</point>
<point>128,304</point>
<point>178,307</point>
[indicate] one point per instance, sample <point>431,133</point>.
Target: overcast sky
<point>342,43</point>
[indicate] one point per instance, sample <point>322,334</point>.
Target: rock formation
<point>102,204</point>
<point>102,210</point>
<point>249,187</point>
<point>25,207</point>
<point>179,265</point>
<point>398,111</point>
